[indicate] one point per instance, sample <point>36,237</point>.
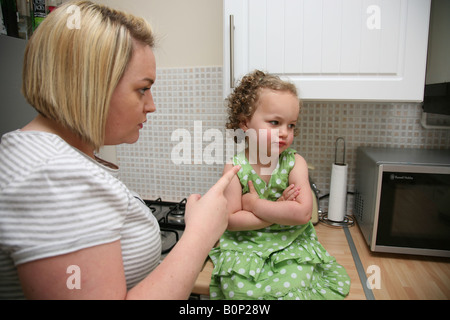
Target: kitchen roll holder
<point>335,151</point>
<point>336,215</point>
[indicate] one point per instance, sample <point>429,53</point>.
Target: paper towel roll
<point>338,193</point>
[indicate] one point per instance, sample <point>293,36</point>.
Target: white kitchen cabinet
<point>363,50</point>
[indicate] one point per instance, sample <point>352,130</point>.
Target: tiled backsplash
<point>188,95</point>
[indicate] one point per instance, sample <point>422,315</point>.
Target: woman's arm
<point>296,212</point>
<point>102,276</point>
<point>101,268</point>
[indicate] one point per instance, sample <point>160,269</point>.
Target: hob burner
<point>170,216</point>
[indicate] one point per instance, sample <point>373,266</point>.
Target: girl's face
<point>277,112</point>
<point>132,99</point>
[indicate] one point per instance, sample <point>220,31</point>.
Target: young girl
<point>270,250</point>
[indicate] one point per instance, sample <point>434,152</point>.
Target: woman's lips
<point>141,125</point>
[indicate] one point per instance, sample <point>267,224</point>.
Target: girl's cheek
<point>272,134</point>
<point>291,137</point>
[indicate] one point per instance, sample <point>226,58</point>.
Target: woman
<point>69,229</point>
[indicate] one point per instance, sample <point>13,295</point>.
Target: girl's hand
<point>290,193</point>
<point>249,198</point>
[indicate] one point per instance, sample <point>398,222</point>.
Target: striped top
<point>55,200</point>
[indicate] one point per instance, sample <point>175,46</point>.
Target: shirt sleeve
<point>60,207</point>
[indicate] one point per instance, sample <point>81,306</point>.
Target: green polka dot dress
<point>278,262</point>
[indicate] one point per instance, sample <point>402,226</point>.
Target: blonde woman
<point>63,212</point>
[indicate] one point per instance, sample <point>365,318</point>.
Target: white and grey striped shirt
<point>55,200</point>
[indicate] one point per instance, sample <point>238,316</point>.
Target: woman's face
<point>132,99</point>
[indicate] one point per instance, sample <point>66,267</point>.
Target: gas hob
<point>170,217</point>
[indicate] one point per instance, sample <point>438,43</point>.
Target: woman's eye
<point>143,90</point>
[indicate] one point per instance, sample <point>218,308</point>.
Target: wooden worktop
<point>201,286</point>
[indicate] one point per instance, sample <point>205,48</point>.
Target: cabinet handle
<point>232,51</point>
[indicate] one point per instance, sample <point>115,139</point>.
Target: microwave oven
<point>402,200</point>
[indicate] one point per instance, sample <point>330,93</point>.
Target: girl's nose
<point>283,131</point>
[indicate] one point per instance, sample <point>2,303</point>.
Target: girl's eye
<point>292,126</point>
<point>274,122</point>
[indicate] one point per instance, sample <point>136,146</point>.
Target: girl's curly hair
<point>242,102</point>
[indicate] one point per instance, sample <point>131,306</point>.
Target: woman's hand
<point>290,193</point>
<point>207,216</point>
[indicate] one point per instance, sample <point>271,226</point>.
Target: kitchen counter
<point>201,286</point>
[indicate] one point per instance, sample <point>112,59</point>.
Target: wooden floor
<point>402,277</point>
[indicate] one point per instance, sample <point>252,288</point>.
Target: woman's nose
<point>150,104</point>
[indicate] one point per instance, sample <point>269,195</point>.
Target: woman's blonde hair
<point>71,68</point>
<point>243,101</point>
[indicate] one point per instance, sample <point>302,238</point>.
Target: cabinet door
<point>331,49</point>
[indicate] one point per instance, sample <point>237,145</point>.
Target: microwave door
<point>414,209</point>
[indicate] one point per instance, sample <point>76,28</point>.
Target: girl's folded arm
<point>297,212</point>
<point>240,219</point>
